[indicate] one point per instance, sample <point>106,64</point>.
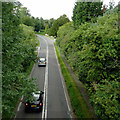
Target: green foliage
<point>25,17</point>
<point>57,23</point>
<point>93,51</point>
<point>18,45</point>
<point>112,11</point>
<point>42,23</point>
<point>38,25</point>
<point>46,29</point>
<point>27,20</point>
<point>62,35</point>
<point>51,21</point>
<point>85,11</point>
<point>42,32</point>
<point>106,99</point>
<point>79,106</point>
<point>30,42</point>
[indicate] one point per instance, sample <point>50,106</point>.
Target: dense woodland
<point>90,44</point>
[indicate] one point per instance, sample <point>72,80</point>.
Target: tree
<point>37,25</point>
<point>28,20</point>
<point>42,23</point>
<point>17,54</point>
<point>46,28</point>
<point>93,52</point>
<point>85,11</point>
<point>57,23</point>
<point>51,21</point>
<point>111,4</point>
<point>25,16</point>
<point>106,100</point>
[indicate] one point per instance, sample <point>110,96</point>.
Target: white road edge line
<point>19,106</point>
<point>46,78</point>
<point>22,98</point>
<point>18,109</point>
<point>62,82</point>
<point>44,111</point>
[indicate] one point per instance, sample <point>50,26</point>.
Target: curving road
<point>49,80</point>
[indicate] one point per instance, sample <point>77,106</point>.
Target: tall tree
<point>85,11</point>
<point>42,23</point>
<point>17,53</point>
<point>57,23</point>
<point>37,25</point>
<point>111,4</point>
<point>51,21</point>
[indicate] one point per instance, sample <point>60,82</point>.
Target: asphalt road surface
<point>49,79</point>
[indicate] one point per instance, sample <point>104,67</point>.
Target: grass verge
<point>79,106</point>
<point>42,32</point>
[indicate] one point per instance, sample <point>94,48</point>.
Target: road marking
<point>15,117</point>
<point>18,109</point>
<point>22,98</point>
<point>62,83</point>
<point>19,106</point>
<point>38,51</point>
<point>45,101</point>
<point>44,112</point>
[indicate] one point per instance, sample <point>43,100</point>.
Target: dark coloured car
<point>37,102</point>
<point>42,62</point>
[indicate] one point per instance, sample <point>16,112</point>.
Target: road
<point>49,80</point>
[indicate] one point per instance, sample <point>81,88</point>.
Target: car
<point>36,103</point>
<point>42,62</point>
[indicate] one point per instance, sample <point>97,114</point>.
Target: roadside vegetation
<point>78,104</point>
<point>41,32</point>
<point>90,43</point>
<point>19,42</point>
<point>56,24</point>
<point>18,45</point>
<point>91,46</point>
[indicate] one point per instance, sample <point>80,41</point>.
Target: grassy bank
<point>78,104</point>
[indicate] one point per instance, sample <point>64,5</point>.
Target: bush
<point>56,24</point>
<point>18,43</point>
<point>93,51</point>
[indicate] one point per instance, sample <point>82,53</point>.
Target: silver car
<point>42,62</point>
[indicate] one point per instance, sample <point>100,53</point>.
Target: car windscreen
<point>42,60</point>
<point>36,96</point>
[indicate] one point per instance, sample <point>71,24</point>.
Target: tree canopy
<point>18,46</point>
<point>85,11</point>
<point>57,23</point>
<point>93,52</point>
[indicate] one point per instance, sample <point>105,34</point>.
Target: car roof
<point>42,58</point>
<point>36,94</point>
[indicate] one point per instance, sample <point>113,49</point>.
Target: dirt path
<point>80,87</point>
